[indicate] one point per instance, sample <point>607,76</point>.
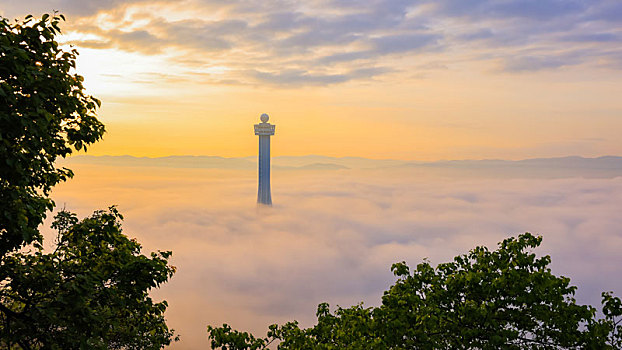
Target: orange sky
<point>425,80</point>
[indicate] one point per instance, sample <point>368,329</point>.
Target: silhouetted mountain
<point>208,162</point>
<point>573,166</point>
<point>322,166</point>
<point>347,162</point>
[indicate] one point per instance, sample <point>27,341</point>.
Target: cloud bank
<point>332,235</point>
<point>323,42</point>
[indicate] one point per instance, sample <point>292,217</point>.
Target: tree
<point>44,114</point>
<point>507,298</point>
<point>91,292</point>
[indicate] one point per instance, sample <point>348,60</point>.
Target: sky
<point>415,80</point>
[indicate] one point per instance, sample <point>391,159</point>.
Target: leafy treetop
<point>502,299</point>
<point>44,114</point>
<point>91,292</point>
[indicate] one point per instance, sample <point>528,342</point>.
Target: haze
<point>333,233</point>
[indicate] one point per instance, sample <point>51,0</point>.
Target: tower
<point>264,130</point>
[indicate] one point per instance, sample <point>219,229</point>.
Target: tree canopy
<point>502,299</point>
<point>91,291</point>
<point>44,114</point>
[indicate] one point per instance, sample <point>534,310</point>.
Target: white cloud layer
<point>332,235</point>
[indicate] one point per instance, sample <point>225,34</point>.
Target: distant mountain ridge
<point>608,162</point>
<point>209,162</point>
<point>571,166</point>
<point>606,166</point>
<point>216,162</point>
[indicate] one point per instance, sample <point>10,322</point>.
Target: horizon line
<point>344,157</point>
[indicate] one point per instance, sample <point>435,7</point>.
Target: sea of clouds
<point>332,235</point>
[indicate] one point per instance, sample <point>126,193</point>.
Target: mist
<point>333,234</point>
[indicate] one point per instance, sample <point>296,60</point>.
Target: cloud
<point>345,57</point>
<point>529,9</point>
<point>610,11</point>
<point>298,77</point>
<point>593,37</point>
<point>533,63</point>
<point>332,235</point>
<point>477,34</point>
<point>281,35</point>
<point>203,35</point>
<point>404,42</point>
<point>301,77</point>
<point>299,40</point>
<point>74,8</point>
<point>538,9</point>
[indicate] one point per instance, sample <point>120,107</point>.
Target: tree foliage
<point>44,114</point>
<point>91,291</point>
<point>502,299</point>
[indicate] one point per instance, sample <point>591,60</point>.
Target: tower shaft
<point>264,130</point>
<point>264,195</point>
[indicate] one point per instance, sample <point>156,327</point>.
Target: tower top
<point>264,128</point>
